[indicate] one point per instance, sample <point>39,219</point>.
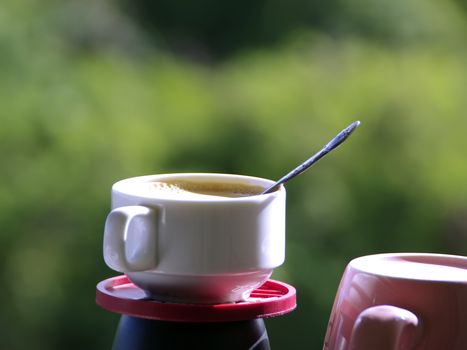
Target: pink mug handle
<point>384,327</point>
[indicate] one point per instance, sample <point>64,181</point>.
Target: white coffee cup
<point>191,247</point>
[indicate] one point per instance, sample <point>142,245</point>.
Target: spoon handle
<point>336,141</point>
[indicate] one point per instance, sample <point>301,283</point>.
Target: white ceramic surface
<point>203,249</point>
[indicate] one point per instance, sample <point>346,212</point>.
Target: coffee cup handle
<point>130,239</point>
<point>384,327</point>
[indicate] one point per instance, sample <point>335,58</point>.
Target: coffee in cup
<point>183,189</point>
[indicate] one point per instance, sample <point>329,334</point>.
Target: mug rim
<point>121,187</point>
<point>445,260</point>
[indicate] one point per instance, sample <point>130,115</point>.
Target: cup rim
<point>123,186</point>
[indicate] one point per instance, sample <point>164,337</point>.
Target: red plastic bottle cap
<point>120,295</point>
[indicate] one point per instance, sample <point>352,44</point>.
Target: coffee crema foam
<point>181,189</point>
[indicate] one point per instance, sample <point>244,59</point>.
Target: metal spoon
<point>336,141</point>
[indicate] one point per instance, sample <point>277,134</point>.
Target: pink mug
<point>400,302</point>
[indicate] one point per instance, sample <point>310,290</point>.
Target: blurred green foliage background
<point>95,91</point>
